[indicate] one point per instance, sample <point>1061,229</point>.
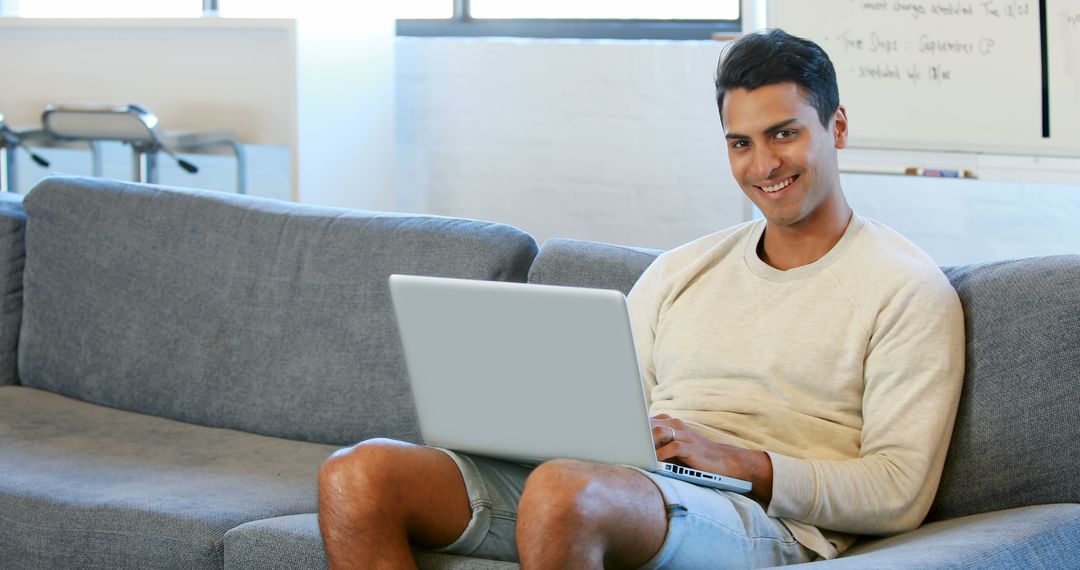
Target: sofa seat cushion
<point>294,543</point>
<point>1044,536</point>
<point>84,486</point>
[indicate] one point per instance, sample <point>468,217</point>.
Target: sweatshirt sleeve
<point>644,303</point>
<point>913,373</point>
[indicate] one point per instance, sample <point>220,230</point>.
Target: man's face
<point>782,157</point>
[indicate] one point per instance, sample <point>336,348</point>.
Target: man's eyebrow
<point>772,129</point>
<point>781,125</point>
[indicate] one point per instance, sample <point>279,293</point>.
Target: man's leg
<point>381,496</point>
<point>576,514</point>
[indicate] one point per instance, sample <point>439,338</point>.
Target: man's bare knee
<point>356,481</point>
<point>610,515</point>
<point>392,484</point>
<point>557,494</point>
<point>360,466</point>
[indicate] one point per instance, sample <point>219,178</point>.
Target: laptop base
<point>704,478</point>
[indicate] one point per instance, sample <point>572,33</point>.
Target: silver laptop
<point>529,373</point>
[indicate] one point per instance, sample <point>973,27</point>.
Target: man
<point>814,353</point>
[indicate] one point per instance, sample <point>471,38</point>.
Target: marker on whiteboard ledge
<point>725,36</point>
<point>939,172</point>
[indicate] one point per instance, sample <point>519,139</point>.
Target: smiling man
<point>825,340</point>
<point>815,353</point>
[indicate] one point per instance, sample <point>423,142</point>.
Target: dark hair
<point>775,56</point>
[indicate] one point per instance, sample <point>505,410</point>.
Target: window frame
<point>463,25</point>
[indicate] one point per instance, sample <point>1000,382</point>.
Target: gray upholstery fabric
<point>1015,441</point>
<point>84,486</point>
<point>1046,536</point>
<point>294,543</point>
<point>577,263</point>
<point>232,311</point>
<point>12,256</point>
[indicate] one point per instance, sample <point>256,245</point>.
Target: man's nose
<point>766,162</point>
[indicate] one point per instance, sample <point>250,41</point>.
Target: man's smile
<point>778,186</point>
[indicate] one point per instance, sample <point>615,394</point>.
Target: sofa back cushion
<point>1016,434</point>
<point>577,263</point>
<point>232,311</point>
<point>12,256</point>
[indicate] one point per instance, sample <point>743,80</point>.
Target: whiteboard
<point>950,75</point>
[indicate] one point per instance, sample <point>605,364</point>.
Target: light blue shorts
<point>707,528</point>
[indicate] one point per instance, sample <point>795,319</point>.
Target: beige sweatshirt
<point>846,371</point>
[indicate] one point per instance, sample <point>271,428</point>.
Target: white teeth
<point>778,187</point>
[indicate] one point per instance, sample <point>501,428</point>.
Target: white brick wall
<point>611,141</point>
<point>968,221</point>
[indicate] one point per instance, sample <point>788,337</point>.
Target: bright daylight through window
<point>606,9</point>
<point>627,19</point>
<point>192,8</point>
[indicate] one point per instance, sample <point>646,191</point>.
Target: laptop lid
<point>524,372</point>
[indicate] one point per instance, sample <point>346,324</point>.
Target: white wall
<point>968,221</point>
<point>612,141</point>
<point>620,142</point>
<point>345,105</point>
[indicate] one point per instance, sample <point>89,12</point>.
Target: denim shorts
<point>707,528</point>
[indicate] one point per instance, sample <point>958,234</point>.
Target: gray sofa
<point>175,365</point>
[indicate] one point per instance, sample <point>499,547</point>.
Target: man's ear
<point>840,127</point>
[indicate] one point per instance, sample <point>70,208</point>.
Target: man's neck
<point>790,247</point>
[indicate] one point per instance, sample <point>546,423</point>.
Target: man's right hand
<point>678,443</point>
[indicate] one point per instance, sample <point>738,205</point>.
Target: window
<point>196,8</point>
<point>627,19</point>
<point>425,9</point>
<point>105,8</point>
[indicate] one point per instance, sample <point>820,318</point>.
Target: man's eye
<point>786,134</point>
<point>739,144</point>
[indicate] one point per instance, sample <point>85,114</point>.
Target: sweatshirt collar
<point>766,271</point>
